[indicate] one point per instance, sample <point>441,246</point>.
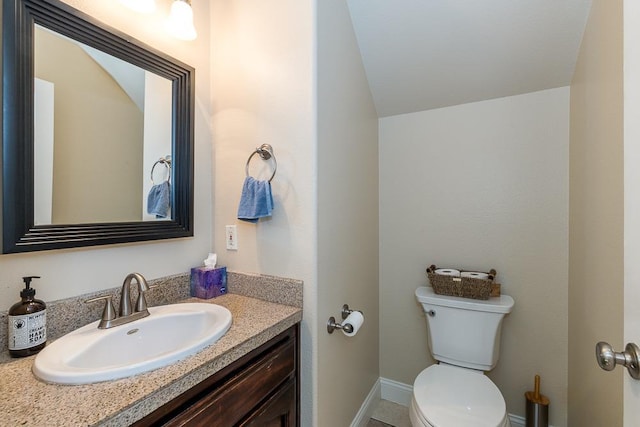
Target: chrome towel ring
<point>166,161</point>
<point>265,151</point>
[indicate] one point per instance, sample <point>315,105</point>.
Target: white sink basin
<point>169,333</point>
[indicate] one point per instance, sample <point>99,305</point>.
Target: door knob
<point>629,358</point>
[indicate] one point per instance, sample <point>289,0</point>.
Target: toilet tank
<point>464,332</point>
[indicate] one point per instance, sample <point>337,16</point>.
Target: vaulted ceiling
<point>424,54</point>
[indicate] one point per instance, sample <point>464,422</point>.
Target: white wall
<point>43,108</point>
<point>157,135</point>
<point>263,80</point>
<point>478,186</point>
<point>347,158</point>
<point>76,271</point>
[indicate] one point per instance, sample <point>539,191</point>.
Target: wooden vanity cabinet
<point>259,389</point>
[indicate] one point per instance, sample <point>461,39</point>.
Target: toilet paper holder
<point>347,327</point>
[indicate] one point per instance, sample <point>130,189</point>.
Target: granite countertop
<point>27,401</point>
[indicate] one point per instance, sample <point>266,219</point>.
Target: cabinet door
<point>228,405</point>
<point>278,411</point>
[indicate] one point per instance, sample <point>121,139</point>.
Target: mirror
<point>101,108</point>
<point>97,133</point>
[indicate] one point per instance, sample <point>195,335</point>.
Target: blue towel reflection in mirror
<point>256,200</point>
<point>159,200</point>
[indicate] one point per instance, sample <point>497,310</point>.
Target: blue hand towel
<point>256,200</point>
<point>159,200</point>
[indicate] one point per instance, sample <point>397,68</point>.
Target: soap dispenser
<point>27,323</point>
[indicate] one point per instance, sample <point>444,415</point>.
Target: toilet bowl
<point>464,337</point>
<point>450,396</point>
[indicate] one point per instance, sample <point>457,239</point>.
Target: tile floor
<point>389,414</point>
<point>375,423</point>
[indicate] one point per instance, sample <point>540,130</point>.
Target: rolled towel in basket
<point>475,275</point>
<point>448,272</point>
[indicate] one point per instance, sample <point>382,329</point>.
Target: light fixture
<point>180,22</point>
<point>142,6</point>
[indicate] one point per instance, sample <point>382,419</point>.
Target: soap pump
<point>27,322</point>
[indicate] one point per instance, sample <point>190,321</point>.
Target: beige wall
<point>324,228</point>
<point>481,185</point>
<point>347,159</point>
<point>76,271</point>
<point>631,198</point>
<point>262,58</point>
<point>95,123</point>
<point>596,218</point>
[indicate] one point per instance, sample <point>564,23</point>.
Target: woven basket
<point>465,287</point>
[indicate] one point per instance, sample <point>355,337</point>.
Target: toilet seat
<point>446,395</point>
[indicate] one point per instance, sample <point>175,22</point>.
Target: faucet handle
<point>109,312</point>
<point>141,302</point>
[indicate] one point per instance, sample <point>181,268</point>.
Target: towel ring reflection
<point>266,152</point>
<point>166,161</point>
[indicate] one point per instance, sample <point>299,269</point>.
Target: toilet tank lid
<point>501,304</point>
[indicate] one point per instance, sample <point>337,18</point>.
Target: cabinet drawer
<point>227,405</point>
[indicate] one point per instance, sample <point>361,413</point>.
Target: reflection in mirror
<point>97,143</point>
<point>99,127</point>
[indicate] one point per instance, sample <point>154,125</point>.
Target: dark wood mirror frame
<point>19,234</point>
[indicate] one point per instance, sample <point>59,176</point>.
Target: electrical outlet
<point>232,237</point>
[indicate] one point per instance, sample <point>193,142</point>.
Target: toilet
<point>464,337</point>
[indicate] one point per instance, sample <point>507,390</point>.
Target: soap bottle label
<point>28,330</point>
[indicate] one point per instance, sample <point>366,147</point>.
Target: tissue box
<point>208,282</point>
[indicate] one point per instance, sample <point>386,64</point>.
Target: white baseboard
<point>395,391</point>
<point>401,393</point>
<point>369,404</point>
<point>517,421</point>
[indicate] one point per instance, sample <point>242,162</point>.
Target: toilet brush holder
<point>537,407</point>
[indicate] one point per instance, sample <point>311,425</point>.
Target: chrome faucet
<point>109,318</point>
